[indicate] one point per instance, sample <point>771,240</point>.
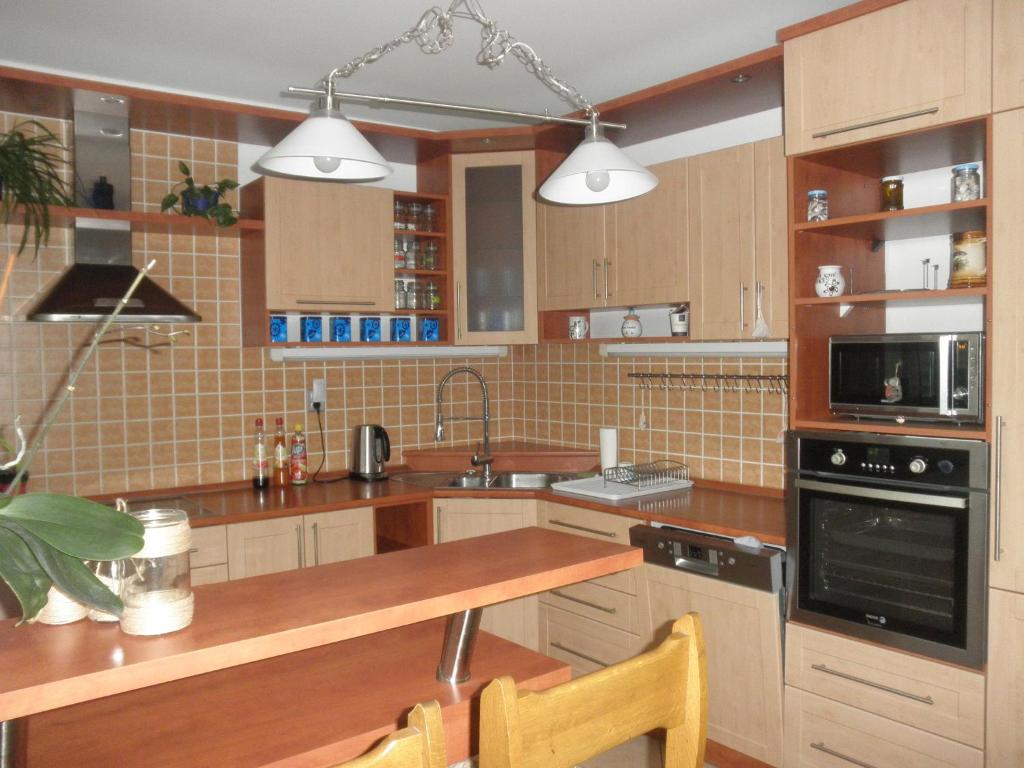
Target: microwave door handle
<point>884,494</point>
<point>946,342</point>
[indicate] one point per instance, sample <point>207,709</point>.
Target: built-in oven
<point>887,539</point>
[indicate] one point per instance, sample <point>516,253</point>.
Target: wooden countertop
<point>243,621</point>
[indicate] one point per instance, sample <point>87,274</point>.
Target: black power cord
<point>323,449</point>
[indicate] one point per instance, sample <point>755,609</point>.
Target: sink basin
<point>528,480</point>
<point>465,481</point>
<point>524,481</point>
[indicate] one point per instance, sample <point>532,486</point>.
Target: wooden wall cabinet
<point>907,66</point>
<point>573,256</point>
<point>514,620</point>
<point>1007,55</point>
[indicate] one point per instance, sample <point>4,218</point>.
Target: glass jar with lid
<point>399,254</point>
<point>399,214</point>
<point>400,294</point>
<point>966,183</point>
<point>968,266</point>
<point>817,205</point>
<point>428,255</point>
<point>411,254</point>
<point>892,193</point>
<point>412,295</point>
<point>415,213</point>
<point>433,296</point>
<point>427,219</point>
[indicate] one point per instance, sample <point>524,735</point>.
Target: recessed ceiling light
<point>740,78</point>
<point>112,99</point>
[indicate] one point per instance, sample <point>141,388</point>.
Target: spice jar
<point>817,205</point>
<point>427,222</point>
<point>428,255</point>
<point>433,296</point>
<point>966,183</point>
<point>399,294</point>
<point>399,214</point>
<point>399,254</point>
<point>415,212</point>
<point>411,255</point>
<point>155,584</point>
<point>968,265</point>
<point>412,296</point>
<point>892,193</point>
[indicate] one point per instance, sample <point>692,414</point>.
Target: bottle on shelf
<point>299,461</point>
<point>399,254</point>
<point>260,465</point>
<point>281,468</point>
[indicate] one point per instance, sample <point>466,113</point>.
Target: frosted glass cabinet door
<point>494,241</point>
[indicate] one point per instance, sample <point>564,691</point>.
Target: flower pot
<point>7,477</point>
<point>194,204</point>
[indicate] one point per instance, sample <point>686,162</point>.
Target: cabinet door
<point>494,248</point>
<point>264,546</point>
<point>648,243</point>
<point>1006,561</point>
<point>770,235</point>
<point>1005,706</point>
<point>331,537</point>
<point>515,620</point>
<point>882,70</point>
<point>743,634</point>
<point>328,246</point>
<point>1007,55</point>
<point>721,230</point>
<point>573,256</point>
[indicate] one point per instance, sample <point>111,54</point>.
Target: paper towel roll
<point>609,448</point>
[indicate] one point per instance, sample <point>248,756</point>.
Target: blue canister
<point>401,329</point>
<point>278,329</point>
<point>430,329</point>
<point>341,329</point>
<point>369,329</point>
<point>312,328</point>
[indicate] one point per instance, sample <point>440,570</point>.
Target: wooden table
<point>266,617</point>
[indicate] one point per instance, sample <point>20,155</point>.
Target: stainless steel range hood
<point>102,269</point>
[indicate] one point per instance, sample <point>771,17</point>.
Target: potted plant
<point>202,201</point>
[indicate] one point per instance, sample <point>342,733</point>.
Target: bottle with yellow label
<point>299,461</point>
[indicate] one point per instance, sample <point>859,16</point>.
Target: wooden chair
<point>570,723</point>
<point>419,745</point>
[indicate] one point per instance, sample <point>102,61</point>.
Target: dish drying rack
<point>772,383</point>
<point>648,475</point>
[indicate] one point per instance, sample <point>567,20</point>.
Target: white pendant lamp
<point>597,172</point>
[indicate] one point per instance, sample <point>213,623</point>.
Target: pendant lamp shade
<point>326,146</point>
<point>597,172</point>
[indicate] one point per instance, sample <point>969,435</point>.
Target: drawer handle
<point>331,302</point>
<point>606,534</point>
<point>827,670</point>
<point>587,603</point>
<point>820,746</point>
<point>584,656</point>
<point>870,123</point>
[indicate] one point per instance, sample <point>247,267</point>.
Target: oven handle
<point>884,494</point>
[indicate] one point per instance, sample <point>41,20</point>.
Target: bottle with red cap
<point>260,465</point>
<point>282,460</point>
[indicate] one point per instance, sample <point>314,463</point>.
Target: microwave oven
<point>909,377</point>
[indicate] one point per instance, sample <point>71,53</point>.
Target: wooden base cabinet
<point>1004,746</point>
<point>208,556</point>
<point>515,620</point>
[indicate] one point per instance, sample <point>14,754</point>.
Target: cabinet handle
<point>587,603</point>
<point>869,123</point>
<point>606,534</point>
<point>298,544</point>
<point>743,311</point>
<point>593,275</point>
<point>997,493</point>
<point>906,694</point>
<point>331,302</point>
<point>607,285</point>
<point>316,544</point>
<point>584,656</point>
<point>458,310</point>
<point>820,746</point>
<point>193,550</point>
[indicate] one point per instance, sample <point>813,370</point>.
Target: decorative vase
<point>631,327</point>
<point>830,281</point>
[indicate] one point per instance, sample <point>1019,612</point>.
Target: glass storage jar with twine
<point>155,584</point>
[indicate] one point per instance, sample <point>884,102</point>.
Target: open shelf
<point>925,221</point>
<point>971,432</point>
<point>422,272</point>
<point>141,221</point>
<point>882,297</point>
<point>419,233</point>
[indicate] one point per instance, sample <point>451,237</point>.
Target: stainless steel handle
<point>820,746</point>
<point>743,312</point>
<point>997,494</point>
<point>879,121</point>
<point>606,534</point>
<point>298,544</point>
<point>853,678</point>
<point>886,494</point>
<point>607,285</point>
<point>584,656</point>
<point>332,302</point>
<point>593,276</point>
<point>316,544</point>
<point>458,310</point>
<point>587,603</point>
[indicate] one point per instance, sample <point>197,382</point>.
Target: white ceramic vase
<point>830,281</point>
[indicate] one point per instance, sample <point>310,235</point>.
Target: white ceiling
<point>250,51</point>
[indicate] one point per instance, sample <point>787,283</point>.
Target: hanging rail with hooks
<point>775,384</point>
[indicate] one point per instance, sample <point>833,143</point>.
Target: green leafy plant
<point>202,201</point>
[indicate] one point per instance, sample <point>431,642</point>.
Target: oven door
<point>900,567</point>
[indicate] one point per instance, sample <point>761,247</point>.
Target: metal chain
<point>434,33</point>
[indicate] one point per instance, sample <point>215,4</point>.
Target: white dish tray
<point>599,489</point>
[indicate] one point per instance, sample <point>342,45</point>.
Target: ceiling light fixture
<point>327,146</point>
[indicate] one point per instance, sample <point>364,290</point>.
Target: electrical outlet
<point>318,394</point>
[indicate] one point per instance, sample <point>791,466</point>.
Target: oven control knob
<point>838,457</point>
<point>918,465</point>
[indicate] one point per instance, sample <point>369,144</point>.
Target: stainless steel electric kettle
<point>371,449</point>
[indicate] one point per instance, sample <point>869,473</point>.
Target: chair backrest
<point>570,723</point>
<point>419,745</point>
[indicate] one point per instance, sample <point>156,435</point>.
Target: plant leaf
<point>168,202</point>
<point>69,573</point>
<point>77,527</point>
<point>228,184</point>
<point>23,574</point>
<point>184,169</point>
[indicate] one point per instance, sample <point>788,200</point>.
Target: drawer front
<point>583,644</point>
<point>925,694</point>
<point>821,733</point>
<point>594,525</point>
<point>608,606</point>
<point>209,574</point>
<point>209,546</point>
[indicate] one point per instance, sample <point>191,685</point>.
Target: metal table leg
<point>459,637</point>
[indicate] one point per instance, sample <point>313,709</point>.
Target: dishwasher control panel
<point>713,556</point>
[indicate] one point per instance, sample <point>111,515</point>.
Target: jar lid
<point>892,178</point>
<point>965,167</point>
<point>973,234</point>
<point>814,192</point>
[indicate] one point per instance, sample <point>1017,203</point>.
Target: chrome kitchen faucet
<point>478,460</point>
